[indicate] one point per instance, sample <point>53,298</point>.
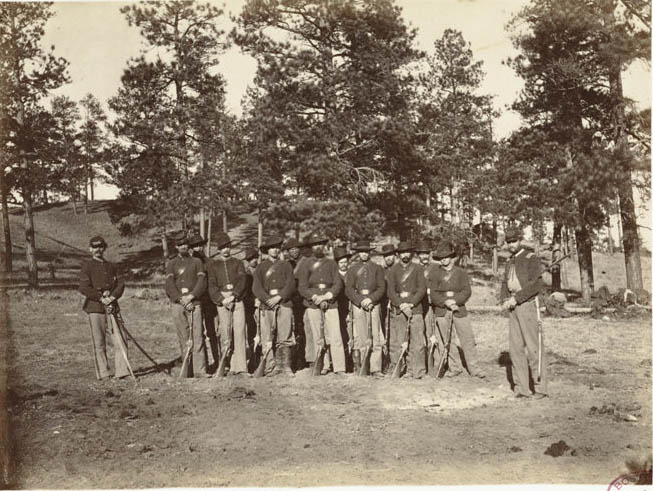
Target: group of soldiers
<point>288,306</point>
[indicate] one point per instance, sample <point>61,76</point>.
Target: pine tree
<point>27,74</point>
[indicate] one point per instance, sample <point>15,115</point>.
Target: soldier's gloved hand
<point>324,305</point>
<point>228,300</point>
<point>316,299</point>
<point>257,340</point>
<point>109,309</point>
<point>257,303</point>
<point>509,303</point>
<point>449,303</point>
<point>366,303</point>
<point>186,299</point>
<point>433,340</point>
<point>406,309</point>
<point>404,345</point>
<point>273,301</point>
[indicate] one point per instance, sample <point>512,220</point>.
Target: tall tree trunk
<point>207,251</point>
<point>610,239</point>
<point>7,260</point>
<point>557,253</point>
<point>626,201</point>
<point>30,242</point>
<point>164,244</point>
<point>584,249</point>
<point>74,202</point>
<point>91,185</point>
<point>45,197</point>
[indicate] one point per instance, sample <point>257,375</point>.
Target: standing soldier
<point>406,290</point>
<point>450,290</point>
<point>100,284</point>
<point>292,254</point>
<point>185,283</point>
<point>274,285</point>
<point>196,244</point>
<point>365,287</point>
<point>291,251</point>
<point>341,257</point>
<point>388,252</point>
<point>320,284</point>
<point>250,262</point>
<point>519,289</point>
<point>227,282</point>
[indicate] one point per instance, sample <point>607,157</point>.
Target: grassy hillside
<point>62,240</point>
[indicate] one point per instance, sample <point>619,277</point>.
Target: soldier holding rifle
<point>449,291</point>
<point>101,287</point>
<point>519,289</point>
<point>185,283</point>
<point>320,284</point>
<point>365,288</point>
<point>406,289</point>
<point>227,281</point>
<point>274,285</point>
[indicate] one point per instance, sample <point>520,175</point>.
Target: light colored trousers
<point>284,334</point>
<point>236,337</point>
<point>524,349</point>
<point>183,320</point>
<point>361,334</point>
<point>332,335</point>
<point>99,326</point>
<point>463,329</point>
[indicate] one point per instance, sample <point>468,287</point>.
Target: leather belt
<point>274,292</point>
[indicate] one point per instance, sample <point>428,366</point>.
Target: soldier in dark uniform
<point>519,290</point>
<point>100,284</point>
<point>227,282</point>
<point>406,290</point>
<point>292,253</point>
<point>388,252</point>
<point>320,284</point>
<point>196,244</point>
<point>185,283</point>
<point>365,288</point>
<point>449,291</point>
<point>341,257</point>
<point>274,285</point>
<point>250,261</point>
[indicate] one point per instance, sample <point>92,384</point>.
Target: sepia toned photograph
<point>325,243</point>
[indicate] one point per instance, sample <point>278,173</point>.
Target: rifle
<point>444,356</point>
<point>260,370</point>
<point>430,361</point>
<point>350,328</point>
<point>539,340</point>
<point>386,344</point>
<point>220,372</point>
<point>365,360</point>
<point>117,335</point>
<point>121,323</point>
<point>319,359</point>
<point>253,362</point>
<point>396,372</point>
<point>189,347</point>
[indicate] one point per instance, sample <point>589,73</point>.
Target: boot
<point>356,360</point>
<point>285,358</point>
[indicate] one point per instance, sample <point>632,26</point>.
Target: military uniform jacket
<point>526,267</point>
<point>317,277</point>
<point>185,272</point>
<point>445,285</point>
<point>365,280</point>
<point>407,285</point>
<point>95,278</point>
<point>226,276</point>
<point>274,278</point>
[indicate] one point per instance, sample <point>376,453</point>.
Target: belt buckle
<point>184,291</point>
<point>404,294</point>
<point>229,286</point>
<point>322,286</point>
<point>274,291</point>
<point>365,292</point>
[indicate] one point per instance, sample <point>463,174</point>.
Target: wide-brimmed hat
<point>222,240</point>
<point>423,246</point>
<point>270,242</point>
<point>443,250</point>
<point>387,249</point>
<point>196,240</point>
<point>181,241</point>
<point>97,241</point>
<point>315,239</point>
<point>362,246</point>
<point>340,252</point>
<point>405,246</point>
<point>513,234</point>
<point>290,243</point>
<point>250,253</point>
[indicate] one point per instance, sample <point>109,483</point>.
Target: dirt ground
<point>71,431</point>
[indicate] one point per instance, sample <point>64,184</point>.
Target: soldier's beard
<point>405,259</point>
<point>318,252</point>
